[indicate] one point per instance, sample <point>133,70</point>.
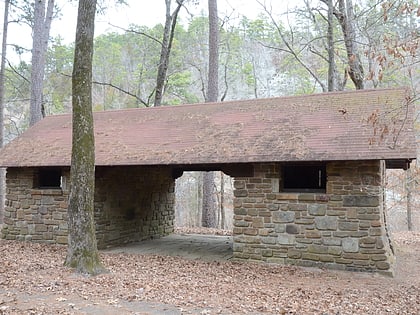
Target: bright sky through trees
<point>149,13</point>
<point>143,12</point>
<point>139,12</point>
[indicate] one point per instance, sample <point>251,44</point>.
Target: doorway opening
<point>190,199</point>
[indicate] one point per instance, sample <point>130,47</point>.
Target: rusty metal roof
<point>357,125</point>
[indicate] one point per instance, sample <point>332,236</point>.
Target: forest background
<point>275,48</point>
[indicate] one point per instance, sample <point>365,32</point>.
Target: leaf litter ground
<point>33,280</point>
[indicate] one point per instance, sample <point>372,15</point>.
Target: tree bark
<point>213,75</point>
<point>41,32</point>
<point>408,180</point>
<point>330,39</point>
<point>209,204</point>
<point>168,36</point>
<point>2,90</point>
<point>345,16</point>
<point>222,201</point>
<point>82,251</point>
<point>208,217</point>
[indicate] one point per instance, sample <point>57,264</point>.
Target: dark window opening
<point>305,178</point>
<point>49,179</point>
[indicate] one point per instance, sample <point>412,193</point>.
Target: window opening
<point>49,178</point>
<point>304,178</point>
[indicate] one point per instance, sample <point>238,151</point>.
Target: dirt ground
<point>34,281</point>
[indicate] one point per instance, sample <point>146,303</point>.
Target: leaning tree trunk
<point>82,251</point>
<point>165,51</point>
<point>346,18</point>
<point>41,33</point>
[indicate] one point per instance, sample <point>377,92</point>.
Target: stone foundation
<point>343,228</point>
<point>131,204</point>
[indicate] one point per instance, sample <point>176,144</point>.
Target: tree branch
<point>290,49</point>
<point>130,30</point>
<point>123,91</point>
<point>16,72</point>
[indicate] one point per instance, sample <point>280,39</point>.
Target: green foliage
<point>249,74</point>
<point>260,29</point>
<point>177,89</point>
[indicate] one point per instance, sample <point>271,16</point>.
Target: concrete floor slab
<point>191,246</point>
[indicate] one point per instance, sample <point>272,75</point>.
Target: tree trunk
<point>82,251</point>
<point>213,76</point>
<point>330,38</point>
<point>408,180</point>
<point>345,16</point>
<point>198,220</point>
<point>2,89</point>
<point>222,201</point>
<point>208,217</point>
<point>41,33</point>
<point>168,36</point>
<point>209,204</point>
<point>2,69</point>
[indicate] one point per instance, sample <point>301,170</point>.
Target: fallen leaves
<point>33,280</point>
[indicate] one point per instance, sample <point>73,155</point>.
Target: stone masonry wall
<point>343,228</point>
<point>32,214</point>
<point>131,204</point>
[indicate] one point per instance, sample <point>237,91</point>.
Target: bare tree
<point>2,88</point>
<point>330,38</point>
<point>209,202</point>
<point>346,18</point>
<point>289,49</point>
<point>2,68</point>
<point>168,36</point>
<point>213,75</point>
<point>41,32</point>
<point>407,180</point>
<point>82,253</point>
<point>222,201</point>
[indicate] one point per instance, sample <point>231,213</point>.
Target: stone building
<point>308,174</point>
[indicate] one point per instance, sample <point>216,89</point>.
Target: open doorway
<point>189,195</point>
<point>190,239</point>
<point>402,201</point>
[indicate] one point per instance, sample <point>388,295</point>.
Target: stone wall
<point>33,214</point>
<point>343,228</point>
<point>131,204</point>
